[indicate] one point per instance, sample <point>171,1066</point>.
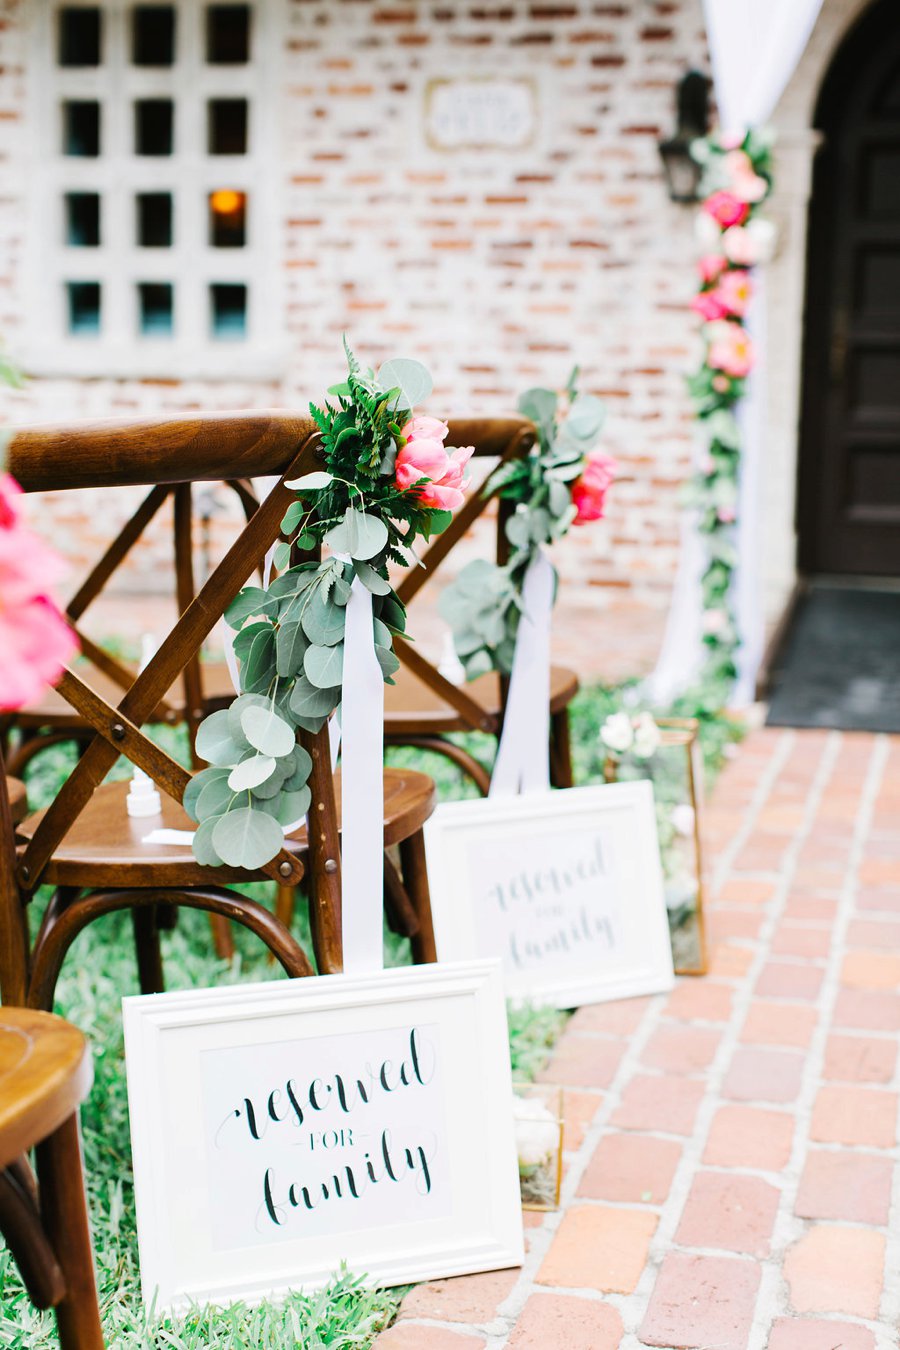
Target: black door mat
<point>840,665</point>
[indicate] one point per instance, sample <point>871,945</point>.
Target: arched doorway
<point>849,485</point>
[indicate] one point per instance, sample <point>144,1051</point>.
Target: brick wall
<point>498,269</point>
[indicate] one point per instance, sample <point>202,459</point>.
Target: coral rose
<point>726,210</point>
<point>730,349</point>
<point>590,489</point>
<point>423,457</point>
<point>35,639</point>
<point>708,304</point>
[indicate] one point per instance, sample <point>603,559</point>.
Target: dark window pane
<point>83,219</point>
<point>155,308</point>
<point>84,307</point>
<point>79,37</point>
<point>154,219</point>
<point>227,218</point>
<point>227,122</point>
<point>81,128</point>
<point>153,35</point>
<point>228,35</point>
<point>228,306</point>
<point>153,119</point>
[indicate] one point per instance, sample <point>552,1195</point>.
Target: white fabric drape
<point>523,755</point>
<point>755,46</point>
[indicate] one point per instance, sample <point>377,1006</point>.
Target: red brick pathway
<point>732,1148</point>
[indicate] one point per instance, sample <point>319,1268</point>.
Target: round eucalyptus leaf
<point>309,702</point>
<point>215,797</point>
<point>258,670</point>
<point>310,482</point>
<point>275,782</point>
<point>247,838</point>
<point>198,782</point>
<point>239,706</point>
<point>248,602</point>
<point>324,666</point>
<point>267,732</point>
<point>410,377</point>
<point>250,772</point>
<point>388,661</point>
<point>290,644</point>
<point>215,743</point>
<point>371,580</point>
<point>301,766</point>
<point>202,844</point>
<point>359,534</point>
<point>323,621</point>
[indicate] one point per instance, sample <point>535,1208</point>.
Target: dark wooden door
<point>849,499</point>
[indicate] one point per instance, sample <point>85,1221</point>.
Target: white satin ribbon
<point>523,756</point>
<point>362,789</point>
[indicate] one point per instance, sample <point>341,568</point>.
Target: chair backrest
<point>503,439</point>
<point>156,453</point>
<point>13,937</point>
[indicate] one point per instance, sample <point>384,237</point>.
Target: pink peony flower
<point>590,489</point>
<point>35,640</point>
<point>726,209</point>
<point>730,349</point>
<point>711,266</point>
<point>424,457</point>
<point>708,304</point>
<point>734,291</point>
<point>744,182</point>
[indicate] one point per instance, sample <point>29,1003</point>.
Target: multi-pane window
<point>152,209</point>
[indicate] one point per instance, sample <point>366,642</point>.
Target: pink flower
<point>710,267</point>
<point>726,209</point>
<point>727,515</point>
<point>730,140</point>
<point>424,457</point>
<point>708,304</point>
<point>590,489</point>
<point>734,291</point>
<point>35,640</point>
<point>744,182</point>
<point>721,384</point>
<point>749,244</point>
<point>730,349</point>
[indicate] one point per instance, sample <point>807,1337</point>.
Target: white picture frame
<point>235,1189</point>
<point>564,887</point>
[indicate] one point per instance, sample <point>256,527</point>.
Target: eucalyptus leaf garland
<point>289,640</point>
<point>552,488</point>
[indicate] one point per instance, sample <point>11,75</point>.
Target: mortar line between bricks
<point>789,1227</point>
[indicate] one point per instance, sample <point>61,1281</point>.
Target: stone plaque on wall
<point>480,113</point>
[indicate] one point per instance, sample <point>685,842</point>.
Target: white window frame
<point>189,173</point>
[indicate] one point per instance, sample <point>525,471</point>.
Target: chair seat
<point>45,1074</point>
<point>413,709</point>
<point>105,845</point>
<point>52,710</point>
<point>18,801</point>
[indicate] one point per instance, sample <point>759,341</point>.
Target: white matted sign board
<point>280,1129</point>
<point>565,887</point>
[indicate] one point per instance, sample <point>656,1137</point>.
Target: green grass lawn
<point>99,970</point>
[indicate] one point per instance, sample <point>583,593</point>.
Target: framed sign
<point>565,887</point>
<point>279,1129</point>
<point>481,113</point>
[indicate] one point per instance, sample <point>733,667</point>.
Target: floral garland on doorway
<point>734,237</point>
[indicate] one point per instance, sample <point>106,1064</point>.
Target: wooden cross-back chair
<point>85,844</point>
<point>200,688</point>
<point>45,1074</point>
<point>424,707</point>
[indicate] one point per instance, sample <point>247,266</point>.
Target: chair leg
<point>149,956</point>
<point>222,936</point>
<point>415,879</point>
<point>65,1217</point>
<point>561,750</point>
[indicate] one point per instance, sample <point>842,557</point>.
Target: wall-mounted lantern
<point>682,171</point>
